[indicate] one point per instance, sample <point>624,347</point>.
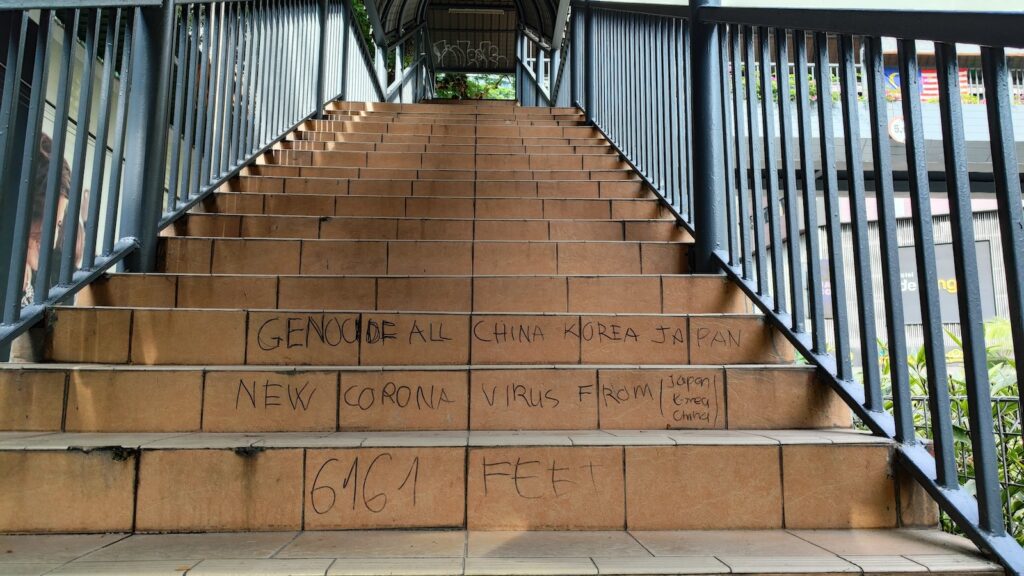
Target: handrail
<point>710,139</point>
<point>204,87</point>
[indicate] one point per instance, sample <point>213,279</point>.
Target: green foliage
<point>1002,377</point>
<point>475,86</point>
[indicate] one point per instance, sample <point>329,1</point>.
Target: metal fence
<point>155,103</point>
<point>710,154</point>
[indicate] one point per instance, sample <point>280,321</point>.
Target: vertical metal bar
<point>756,177</point>
<point>27,175</point>
<point>346,32</point>
<point>859,228</point>
<point>792,207</point>
<point>146,161</point>
<point>771,172</point>
<point>100,148</point>
<point>588,62</point>
<point>10,134</point>
<point>727,138</point>
<point>241,83</point>
<point>230,83</point>
<point>178,111</point>
<point>899,374</point>
<point>120,130</point>
<point>216,91</point>
<point>815,298</point>
<point>55,171</point>
<point>833,225</point>
<point>742,176</point>
<point>690,107</point>
<point>69,249</point>
<point>207,61</point>
<point>924,243</point>
<point>972,333</point>
<point>707,138</point>
<point>185,171</point>
<point>1008,193</point>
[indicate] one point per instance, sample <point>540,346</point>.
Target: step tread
<point>432,439</point>
<point>458,552</point>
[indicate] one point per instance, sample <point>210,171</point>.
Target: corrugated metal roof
<point>397,17</point>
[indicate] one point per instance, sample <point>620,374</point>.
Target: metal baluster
<point>792,207</point>
<point>972,333</point>
<point>185,186</point>
<point>727,137</point>
<point>771,172</point>
<point>756,181</point>
<point>859,227</point>
<point>833,224</point>
<point>173,195</point>
<point>742,176</point>
<point>120,130</point>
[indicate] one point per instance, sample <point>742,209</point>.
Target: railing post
<point>708,191</point>
<point>380,61</point>
<point>588,62</point>
<point>146,132</point>
<point>538,73</point>
<point>321,66</point>
<point>346,33</point>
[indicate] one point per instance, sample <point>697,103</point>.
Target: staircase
<point>470,320</point>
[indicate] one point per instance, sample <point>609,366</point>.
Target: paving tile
<point>396,567</point>
<point>273,567</point>
<point>51,548</point>
<point>877,564</point>
<point>887,542</point>
<point>663,565</point>
<point>158,547</point>
<point>31,399</point>
<point>384,545</point>
<point>529,566</point>
<point>548,544</point>
<point>725,543</point>
<point>26,569</point>
<point>133,568</point>
<point>959,563</point>
<point>778,564</point>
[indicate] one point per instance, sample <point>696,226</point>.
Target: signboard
<point>910,284</point>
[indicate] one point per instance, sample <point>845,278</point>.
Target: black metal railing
<point>789,135</point>
<point>156,104</point>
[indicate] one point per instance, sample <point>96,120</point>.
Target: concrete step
<point>160,336</point>
<point>478,108</point>
<point>315,197</point>
<point>386,138</point>
<point>341,181</point>
<point>508,553</point>
<point>574,130</point>
<point>507,294</point>
<point>179,255</point>
<point>381,228</point>
<point>437,120</point>
<point>312,144</point>
<point>445,161</point>
<point>105,398</point>
<point>480,480</point>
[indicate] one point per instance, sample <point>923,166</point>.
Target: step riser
<point>448,121</point>
<point>509,488</point>
<point>432,161</point>
<point>236,337</point>
<point>706,398</point>
<point>296,203</point>
<point>477,175</point>
<point>363,137</point>
<point>340,228</point>
<point>403,258</point>
<point>306,144</point>
<point>293,180</point>
<point>558,294</point>
<point>464,131</point>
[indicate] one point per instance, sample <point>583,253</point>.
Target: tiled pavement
<point>431,552</point>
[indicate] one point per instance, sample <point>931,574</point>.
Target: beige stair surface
<point>475,553</point>
<point>439,339</point>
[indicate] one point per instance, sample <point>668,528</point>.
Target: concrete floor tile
<point>139,568</point>
<point>174,546</point>
<point>545,544</point>
<point>955,562</point>
<point>377,544</point>
<point>885,564</point>
<point>886,542</point>
<point>529,567</point>
<point>661,565</point>
<point>726,543</point>
<point>274,567</point>
<point>788,564</point>
<point>51,548</point>
<point>396,567</point>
